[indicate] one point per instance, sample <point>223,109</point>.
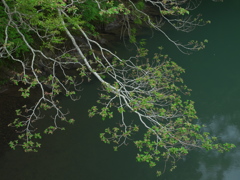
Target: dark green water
<point>214,76</point>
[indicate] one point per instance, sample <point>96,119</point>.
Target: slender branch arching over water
<point>52,39</point>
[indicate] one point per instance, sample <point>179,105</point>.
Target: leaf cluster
<point>154,93</point>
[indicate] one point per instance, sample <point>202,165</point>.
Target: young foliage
<point>152,90</point>
<point>49,37</point>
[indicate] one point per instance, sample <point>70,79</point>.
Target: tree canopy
<point>49,37</point>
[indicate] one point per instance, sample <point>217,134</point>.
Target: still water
<point>214,76</point>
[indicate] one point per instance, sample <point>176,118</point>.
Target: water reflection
<point>218,166</point>
<point>208,173</point>
<point>213,74</point>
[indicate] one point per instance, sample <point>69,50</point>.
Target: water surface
<point>214,76</point>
